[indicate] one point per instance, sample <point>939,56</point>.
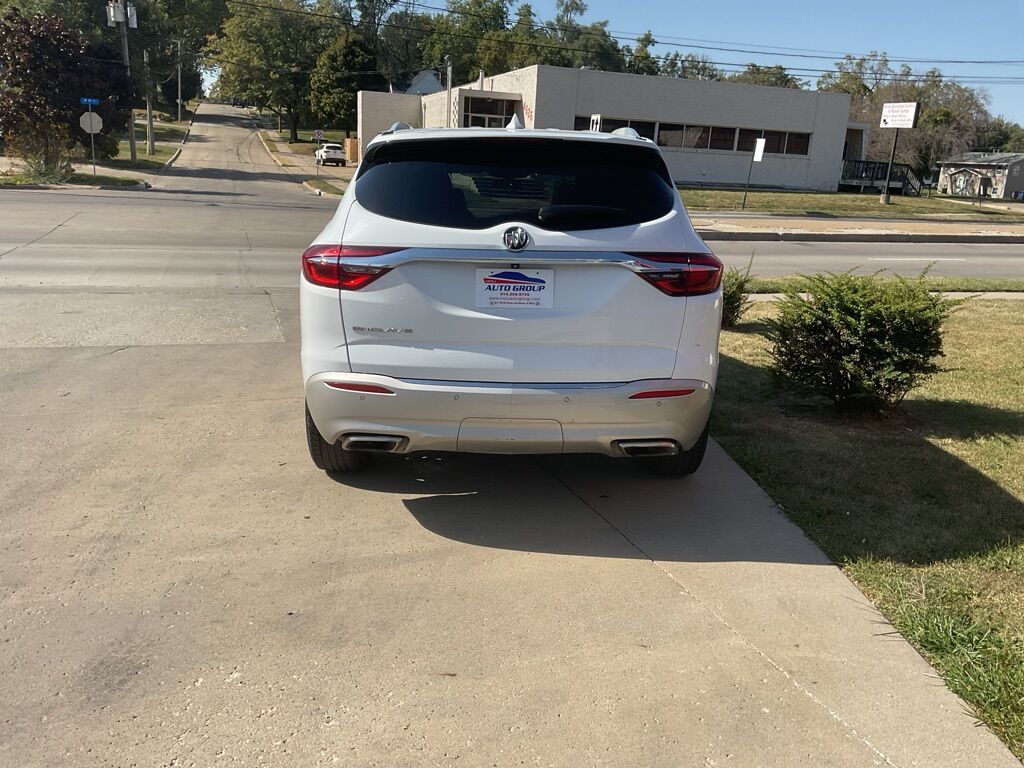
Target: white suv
<point>510,291</point>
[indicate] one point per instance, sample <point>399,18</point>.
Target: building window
<point>747,139</point>
<point>723,138</point>
<point>670,135</point>
<point>643,127</point>
<point>609,124</point>
<point>798,143</point>
<point>487,113</point>
<point>775,142</point>
<point>696,136</point>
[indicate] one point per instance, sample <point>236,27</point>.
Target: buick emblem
<point>516,238</point>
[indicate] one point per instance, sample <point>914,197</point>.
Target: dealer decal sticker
<point>515,287</point>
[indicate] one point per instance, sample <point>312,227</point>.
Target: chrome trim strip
<point>525,259</point>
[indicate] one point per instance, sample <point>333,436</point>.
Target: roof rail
<point>399,126</point>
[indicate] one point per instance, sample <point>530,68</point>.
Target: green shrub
<point>735,291</point>
<point>859,340</point>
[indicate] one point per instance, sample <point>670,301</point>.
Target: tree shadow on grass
<point>871,487</point>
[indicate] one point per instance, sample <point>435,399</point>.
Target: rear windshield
<point>554,184</point>
<point>332,146</point>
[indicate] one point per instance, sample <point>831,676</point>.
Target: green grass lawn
<point>330,187</point>
<point>838,204</point>
<point>143,162</point>
<point>81,177</point>
<point>86,177</point>
<point>924,510</point>
<point>168,132</point>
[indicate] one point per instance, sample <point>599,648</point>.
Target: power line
<point>886,77</point>
<point>632,37</point>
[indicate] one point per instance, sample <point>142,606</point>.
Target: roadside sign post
<point>896,114</point>
<point>91,124</point>
<point>756,157</point>
<point>319,136</point>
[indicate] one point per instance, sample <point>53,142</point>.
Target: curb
<point>320,192</point>
<point>259,132</point>
<point>855,237</point>
<point>140,185</point>
<point>170,161</point>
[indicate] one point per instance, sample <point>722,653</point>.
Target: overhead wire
<point>886,77</point>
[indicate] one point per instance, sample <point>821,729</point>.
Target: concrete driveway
<point>182,587</point>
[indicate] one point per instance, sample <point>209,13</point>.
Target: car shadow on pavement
<point>603,507</point>
<point>591,505</point>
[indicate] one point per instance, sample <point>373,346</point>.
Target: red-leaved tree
<point>44,70</point>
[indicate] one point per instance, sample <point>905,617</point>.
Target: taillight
<point>691,274</point>
<point>328,265</point>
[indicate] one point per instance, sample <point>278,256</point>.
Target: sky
<point>921,29</point>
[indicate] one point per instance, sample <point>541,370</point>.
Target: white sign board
<point>318,135</point>
<point>899,114</point>
<point>758,150</point>
<point>91,122</point>
<point>595,122</point>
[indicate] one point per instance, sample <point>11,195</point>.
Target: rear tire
<point>328,457</point>
<point>683,463</point>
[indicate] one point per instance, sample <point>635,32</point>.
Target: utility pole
<point>179,80</point>
<point>121,13</point>
<point>448,82</point>
<point>150,143</point>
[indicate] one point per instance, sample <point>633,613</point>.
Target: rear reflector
<point>658,394</point>
<point>690,274</point>
<point>327,265</point>
<point>372,389</point>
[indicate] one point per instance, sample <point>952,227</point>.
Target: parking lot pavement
<point>182,587</point>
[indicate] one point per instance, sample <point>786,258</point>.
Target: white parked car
<point>329,154</point>
<point>510,291</point>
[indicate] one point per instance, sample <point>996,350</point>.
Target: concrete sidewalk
<point>771,227</point>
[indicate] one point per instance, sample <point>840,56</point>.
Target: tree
<point>342,70</point>
<point>1001,135</point>
<point>267,59</point>
<point>458,33</point>
<point>690,67</point>
<point>38,119</point>
<point>952,118</point>
<point>775,76</point>
<point>639,60</point>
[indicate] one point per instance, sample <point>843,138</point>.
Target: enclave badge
<point>516,238</point>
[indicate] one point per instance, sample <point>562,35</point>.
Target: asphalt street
<point>776,259</point>
<point>181,587</point>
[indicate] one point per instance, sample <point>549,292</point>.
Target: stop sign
<point>91,122</point>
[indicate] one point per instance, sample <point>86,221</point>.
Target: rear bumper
<point>508,418</point>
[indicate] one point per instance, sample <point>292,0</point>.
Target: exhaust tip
<point>638,448</point>
<point>377,443</point>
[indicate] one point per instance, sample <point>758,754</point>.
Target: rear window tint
<point>551,183</point>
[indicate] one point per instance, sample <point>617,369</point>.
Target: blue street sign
<point>88,100</point>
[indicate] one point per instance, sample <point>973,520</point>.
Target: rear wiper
<point>570,215</point>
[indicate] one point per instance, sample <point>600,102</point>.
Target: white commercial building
<point>706,130</point>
